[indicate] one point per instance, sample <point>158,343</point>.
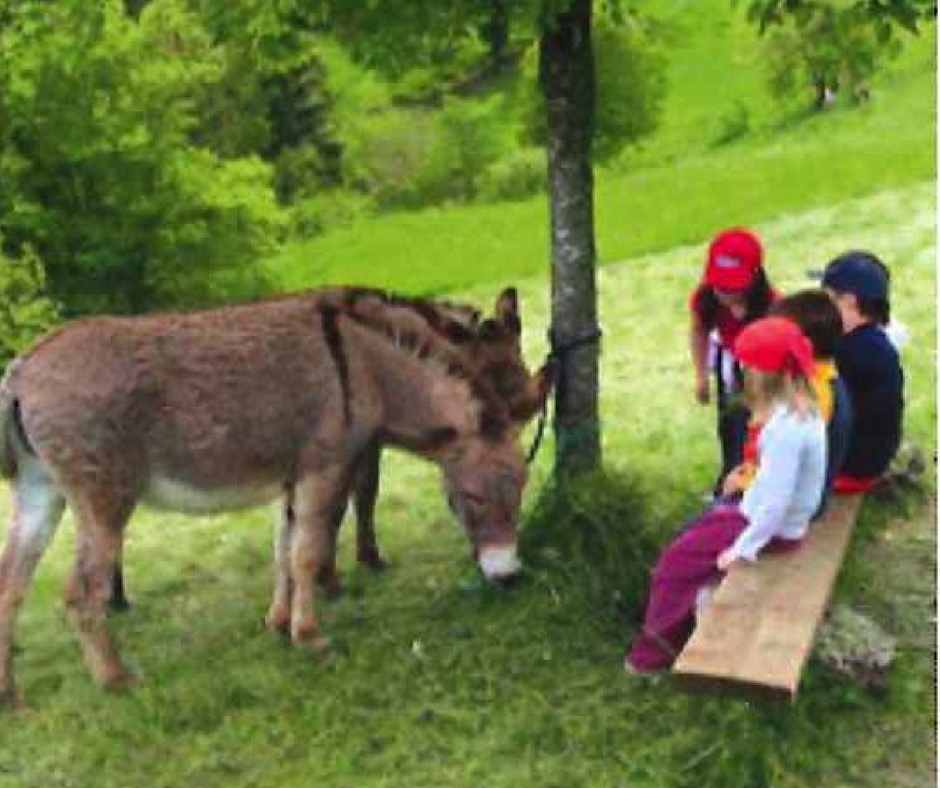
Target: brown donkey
<point>488,347</point>
<point>237,406</point>
<point>462,323</point>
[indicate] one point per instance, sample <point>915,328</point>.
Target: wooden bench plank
<point>756,633</point>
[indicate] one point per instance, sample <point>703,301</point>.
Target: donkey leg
<point>38,506</point>
<point>328,576</point>
<point>278,617</point>
<point>100,530</point>
<point>320,503</point>
<point>117,601</point>
<point>365,492</point>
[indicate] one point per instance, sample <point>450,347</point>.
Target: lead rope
<point>557,351</point>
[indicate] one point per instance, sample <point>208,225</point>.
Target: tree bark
<point>566,74</point>
<point>496,34</point>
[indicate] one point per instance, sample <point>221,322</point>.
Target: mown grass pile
<point>597,536</point>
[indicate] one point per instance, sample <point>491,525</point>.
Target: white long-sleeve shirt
<point>788,487</point>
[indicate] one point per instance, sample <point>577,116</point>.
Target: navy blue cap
<point>859,273</point>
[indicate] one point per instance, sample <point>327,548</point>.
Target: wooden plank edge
<point>689,680</point>
<point>732,687</point>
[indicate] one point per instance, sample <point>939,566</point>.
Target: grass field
<point>436,682</point>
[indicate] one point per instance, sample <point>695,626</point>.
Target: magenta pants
<point>684,567</point>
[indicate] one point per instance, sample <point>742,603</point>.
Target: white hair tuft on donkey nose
<point>498,563</point>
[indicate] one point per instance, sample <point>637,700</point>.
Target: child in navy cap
<point>858,283</point>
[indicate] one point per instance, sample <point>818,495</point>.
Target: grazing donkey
<point>489,347</point>
<point>462,324</point>
<point>237,406</point>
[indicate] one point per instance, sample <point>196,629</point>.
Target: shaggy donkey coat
<point>487,346</point>
<point>238,406</point>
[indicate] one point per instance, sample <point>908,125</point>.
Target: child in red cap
<point>820,321</point>
<point>775,511</point>
<point>734,292</point>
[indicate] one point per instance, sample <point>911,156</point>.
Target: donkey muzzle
<point>499,563</point>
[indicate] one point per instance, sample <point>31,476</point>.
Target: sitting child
<point>819,320</point>
<point>775,511</point>
<point>869,364</point>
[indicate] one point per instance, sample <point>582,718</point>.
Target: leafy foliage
<point>515,176</point>
<point>385,158</point>
<point>631,85</point>
<point>884,14</point>
<point>826,47</point>
<point>97,113</point>
<point>326,210</point>
<point>469,141</point>
<point>732,124</point>
<point>25,309</point>
<point>414,157</point>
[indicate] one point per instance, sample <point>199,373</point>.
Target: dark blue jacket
<point>870,367</point>
<point>838,432</point>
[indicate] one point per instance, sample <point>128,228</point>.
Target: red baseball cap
<point>733,258</point>
<point>775,344</point>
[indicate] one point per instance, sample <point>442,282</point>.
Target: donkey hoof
<point>122,681</point>
<point>278,621</point>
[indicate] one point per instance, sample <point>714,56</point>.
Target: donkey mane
<point>434,340</point>
<point>433,314</point>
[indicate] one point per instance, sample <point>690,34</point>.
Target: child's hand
<point>724,561</point>
<point>734,481</point>
<point>701,390</point>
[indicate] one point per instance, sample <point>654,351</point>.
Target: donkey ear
<point>507,310</point>
<point>533,399</point>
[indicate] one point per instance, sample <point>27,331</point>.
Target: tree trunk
<point>134,7</point>
<point>496,34</point>
<point>566,73</point>
<point>824,94</point>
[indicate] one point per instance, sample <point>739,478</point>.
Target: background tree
<point>26,311</point>
<point>887,15</point>
<point>566,74</point>
<point>395,38</point>
<point>99,173</point>
<point>630,86</point>
<point>826,47</point>
<point>495,32</point>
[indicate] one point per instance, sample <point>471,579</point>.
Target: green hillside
<point>678,188</point>
<point>435,680</point>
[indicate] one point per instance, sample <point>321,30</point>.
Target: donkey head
<point>484,475</point>
<point>483,481</point>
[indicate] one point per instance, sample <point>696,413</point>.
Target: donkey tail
<point>8,423</point>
